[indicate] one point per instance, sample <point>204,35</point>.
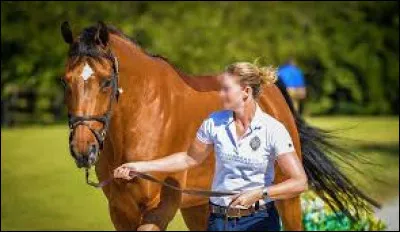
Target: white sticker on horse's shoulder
<point>86,72</point>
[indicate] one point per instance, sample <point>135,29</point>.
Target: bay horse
<point>130,105</point>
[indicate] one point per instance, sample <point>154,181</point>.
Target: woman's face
<point>232,94</point>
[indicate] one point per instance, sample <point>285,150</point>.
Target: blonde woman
<point>247,143</point>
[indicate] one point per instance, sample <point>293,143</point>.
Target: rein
<point>149,177</point>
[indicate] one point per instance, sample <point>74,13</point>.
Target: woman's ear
<point>247,92</point>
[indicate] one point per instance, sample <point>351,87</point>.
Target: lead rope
<point>149,177</point>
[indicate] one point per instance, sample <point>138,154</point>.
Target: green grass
<point>41,188</point>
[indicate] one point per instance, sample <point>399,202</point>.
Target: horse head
<point>91,86</point>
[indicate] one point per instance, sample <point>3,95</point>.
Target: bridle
<point>75,120</point>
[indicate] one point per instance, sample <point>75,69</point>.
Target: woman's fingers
<point>126,174</point>
<point>234,197</point>
<point>116,172</point>
<point>236,201</point>
<point>122,172</point>
<point>240,199</point>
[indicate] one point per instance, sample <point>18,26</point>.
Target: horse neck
<point>146,70</point>
<point>136,68</point>
<point>129,56</point>
<point>203,83</point>
<point>136,73</point>
<point>138,58</point>
<point>145,81</point>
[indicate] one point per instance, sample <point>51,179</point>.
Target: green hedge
<point>348,50</point>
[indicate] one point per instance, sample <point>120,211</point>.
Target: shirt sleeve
<point>204,132</point>
<point>282,141</point>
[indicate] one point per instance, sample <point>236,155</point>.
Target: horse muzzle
<point>88,159</point>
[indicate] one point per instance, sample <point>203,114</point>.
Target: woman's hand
<point>124,171</point>
<point>247,198</point>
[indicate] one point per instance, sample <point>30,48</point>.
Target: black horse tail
<point>324,177</point>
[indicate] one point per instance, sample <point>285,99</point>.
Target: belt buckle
<point>239,213</point>
<point>236,212</point>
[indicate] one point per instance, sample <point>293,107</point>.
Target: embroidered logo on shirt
<point>255,143</point>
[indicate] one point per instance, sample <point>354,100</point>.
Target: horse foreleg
<point>125,211</point>
<point>122,220</point>
<point>196,217</point>
<point>159,217</point>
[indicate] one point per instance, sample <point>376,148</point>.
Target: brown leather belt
<point>231,212</point>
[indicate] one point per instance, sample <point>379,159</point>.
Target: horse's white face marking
<point>86,72</point>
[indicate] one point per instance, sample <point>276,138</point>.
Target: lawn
<point>41,189</point>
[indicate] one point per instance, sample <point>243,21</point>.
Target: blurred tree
<point>349,51</point>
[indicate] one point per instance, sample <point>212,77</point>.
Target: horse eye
<point>106,83</point>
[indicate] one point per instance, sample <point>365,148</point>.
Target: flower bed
<point>318,216</point>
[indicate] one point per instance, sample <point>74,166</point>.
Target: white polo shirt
<point>247,163</point>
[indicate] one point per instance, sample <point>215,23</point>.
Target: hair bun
<point>268,75</point>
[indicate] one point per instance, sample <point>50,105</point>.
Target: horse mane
<point>87,47</point>
<point>114,30</point>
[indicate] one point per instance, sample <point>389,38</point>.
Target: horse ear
<point>102,34</point>
<point>66,32</point>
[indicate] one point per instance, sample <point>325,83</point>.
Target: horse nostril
<point>80,161</point>
<point>85,159</point>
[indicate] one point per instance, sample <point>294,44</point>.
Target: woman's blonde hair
<point>252,75</point>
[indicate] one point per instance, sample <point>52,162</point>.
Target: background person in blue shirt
<point>293,79</point>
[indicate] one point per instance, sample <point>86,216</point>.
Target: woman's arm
<point>180,161</point>
<point>296,183</point>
